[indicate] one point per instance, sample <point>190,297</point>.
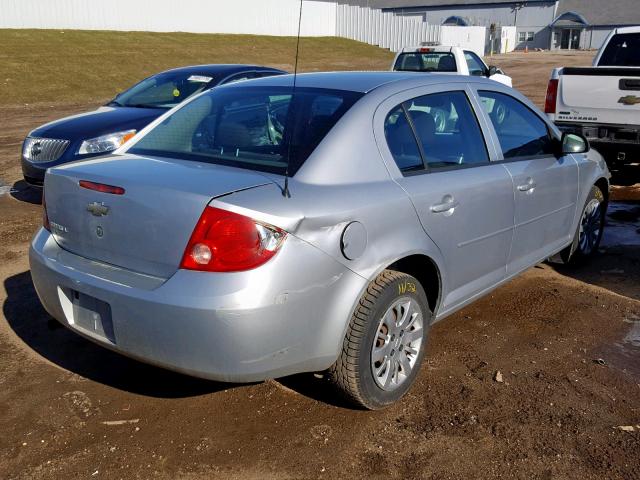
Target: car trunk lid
<point>146,228</point>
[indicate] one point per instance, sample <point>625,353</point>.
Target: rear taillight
<point>225,241</point>
<point>45,216</point>
<point>552,96</point>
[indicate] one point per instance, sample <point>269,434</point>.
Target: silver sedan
<point>258,231</point>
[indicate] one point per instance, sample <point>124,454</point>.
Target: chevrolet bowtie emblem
<point>629,100</point>
<point>97,209</point>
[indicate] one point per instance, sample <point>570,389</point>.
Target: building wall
<point>507,39</point>
<point>259,17</point>
<point>387,30</point>
<point>469,38</point>
<point>532,18</point>
<point>591,38</point>
<point>541,37</point>
<point>597,37</point>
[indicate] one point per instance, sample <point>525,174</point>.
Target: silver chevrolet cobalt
<point>258,231</point>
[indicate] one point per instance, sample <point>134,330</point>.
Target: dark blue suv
<point>96,133</point>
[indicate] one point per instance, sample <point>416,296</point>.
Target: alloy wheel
<point>590,227</point>
<point>397,345</point>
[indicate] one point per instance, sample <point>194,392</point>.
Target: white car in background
<point>446,59</point>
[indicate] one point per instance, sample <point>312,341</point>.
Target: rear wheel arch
<point>424,269</point>
<point>385,342</point>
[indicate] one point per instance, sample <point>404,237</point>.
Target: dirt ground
<point>566,341</point>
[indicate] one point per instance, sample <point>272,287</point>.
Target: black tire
<point>353,373</point>
<point>580,250</point>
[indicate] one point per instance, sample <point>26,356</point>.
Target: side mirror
<point>574,143</point>
<point>492,70</point>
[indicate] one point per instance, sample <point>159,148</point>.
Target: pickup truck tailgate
<point>600,95</point>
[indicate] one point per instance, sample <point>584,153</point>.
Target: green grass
<point>53,66</point>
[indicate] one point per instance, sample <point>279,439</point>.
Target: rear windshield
<point>257,128</point>
<point>623,50</point>
<point>426,62</point>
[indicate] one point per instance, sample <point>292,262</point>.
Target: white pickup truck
<point>602,102</point>
<point>446,59</point>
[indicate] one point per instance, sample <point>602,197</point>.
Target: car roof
<point>633,29</point>
<point>219,68</point>
<point>362,82</point>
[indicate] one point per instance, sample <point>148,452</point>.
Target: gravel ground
<point>565,341</point>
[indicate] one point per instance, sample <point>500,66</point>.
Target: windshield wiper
<point>114,103</point>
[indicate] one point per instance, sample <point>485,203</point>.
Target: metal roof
<point>599,12</point>
<point>596,12</point>
<point>436,3</point>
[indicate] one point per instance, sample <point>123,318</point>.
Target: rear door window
<point>437,131</point>
<point>448,130</point>
<point>520,131</point>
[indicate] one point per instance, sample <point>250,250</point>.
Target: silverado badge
<point>629,100</point>
<point>97,209</point>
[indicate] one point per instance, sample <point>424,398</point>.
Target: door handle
<point>448,205</point>
<point>527,187</point>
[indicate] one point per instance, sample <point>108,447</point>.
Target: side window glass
<point>402,143</point>
<point>476,67</point>
<point>448,130</point>
<point>520,131</point>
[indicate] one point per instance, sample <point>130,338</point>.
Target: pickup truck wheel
<point>590,228</point>
<point>385,342</point>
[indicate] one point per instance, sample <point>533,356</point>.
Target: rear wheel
<point>590,228</point>
<point>385,342</point>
